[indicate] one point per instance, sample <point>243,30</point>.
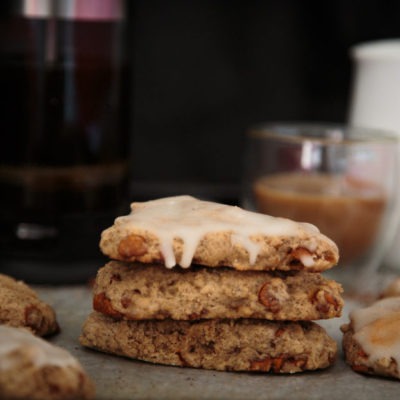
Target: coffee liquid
<point>348,211</point>
<point>63,157</point>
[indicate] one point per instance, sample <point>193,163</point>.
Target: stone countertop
<point>119,378</point>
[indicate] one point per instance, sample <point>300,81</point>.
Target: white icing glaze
<point>190,219</point>
<point>252,248</point>
<point>376,329</point>
<point>38,350</point>
<point>307,260</point>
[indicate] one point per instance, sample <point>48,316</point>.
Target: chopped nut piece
<point>325,301</point>
<point>261,365</point>
<point>102,304</point>
<point>272,294</point>
<point>274,364</point>
<point>132,246</point>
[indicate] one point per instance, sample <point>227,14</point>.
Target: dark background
<point>203,71</point>
<point>206,70</point>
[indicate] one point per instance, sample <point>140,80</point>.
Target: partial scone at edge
<point>225,345</point>
<point>359,361</point>
<point>20,306</point>
<point>371,339</point>
<point>148,291</point>
<point>33,369</point>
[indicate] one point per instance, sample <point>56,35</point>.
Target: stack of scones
<point>199,284</point>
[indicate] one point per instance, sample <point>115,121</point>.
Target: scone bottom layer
<point>224,345</point>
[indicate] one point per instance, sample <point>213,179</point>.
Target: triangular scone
<point>135,291</point>
<point>184,230</point>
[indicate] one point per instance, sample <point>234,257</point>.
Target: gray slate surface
<point>118,378</point>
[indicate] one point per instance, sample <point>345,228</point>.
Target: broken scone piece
<point>20,306</point>
<point>183,230</point>
<point>205,285</point>
<point>31,368</point>
<point>371,341</point>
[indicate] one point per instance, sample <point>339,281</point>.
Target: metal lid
<point>105,10</point>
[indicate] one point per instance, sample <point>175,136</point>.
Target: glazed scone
<point>31,368</point>
<point>20,306</point>
<point>371,341</point>
<point>183,230</point>
<point>148,291</point>
<point>224,345</point>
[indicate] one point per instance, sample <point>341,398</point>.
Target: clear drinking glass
<point>64,164</point>
<point>341,179</point>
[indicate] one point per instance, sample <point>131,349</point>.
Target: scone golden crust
<point>21,307</point>
<point>183,230</point>
<point>225,345</point>
<point>371,341</point>
<point>148,291</point>
<point>31,368</point>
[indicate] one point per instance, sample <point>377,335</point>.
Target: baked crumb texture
<point>224,345</point>
<point>21,307</point>
<point>203,285</point>
<point>138,291</point>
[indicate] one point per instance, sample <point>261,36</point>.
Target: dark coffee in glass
<point>64,142</point>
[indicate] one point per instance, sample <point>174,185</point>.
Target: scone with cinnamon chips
<point>183,230</point>
<point>20,306</point>
<point>223,345</point>
<point>206,285</point>
<point>33,369</point>
<point>137,291</point>
<point>371,341</point>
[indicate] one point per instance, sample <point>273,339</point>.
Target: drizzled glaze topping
<point>376,329</point>
<point>38,350</point>
<point>190,219</point>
